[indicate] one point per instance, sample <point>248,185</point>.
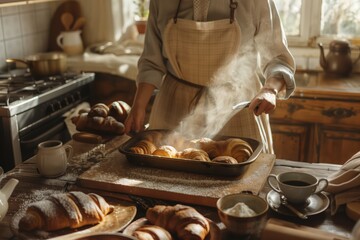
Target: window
<point>306,21</point>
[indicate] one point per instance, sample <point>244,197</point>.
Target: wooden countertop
<point>322,85</point>
<point>86,155</point>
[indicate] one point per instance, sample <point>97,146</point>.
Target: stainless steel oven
<point>31,111</point>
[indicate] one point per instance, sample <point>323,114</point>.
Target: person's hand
<point>264,101</point>
<point>134,123</point>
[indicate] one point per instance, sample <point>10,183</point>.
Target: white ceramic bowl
<point>243,225</point>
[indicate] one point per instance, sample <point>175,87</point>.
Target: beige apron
<point>197,52</point>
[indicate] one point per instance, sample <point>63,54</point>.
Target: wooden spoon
<point>79,23</point>
<point>67,20</point>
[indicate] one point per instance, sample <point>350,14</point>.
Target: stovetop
<point>17,93</point>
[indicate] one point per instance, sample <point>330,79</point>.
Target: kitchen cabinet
<point>320,122</point>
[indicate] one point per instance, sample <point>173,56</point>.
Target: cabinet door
<point>290,140</point>
<point>337,145</point>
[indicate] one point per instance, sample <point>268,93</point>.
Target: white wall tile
<point>1,30</point>
<point>29,44</point>
<point>2,52</point>
<point>28,23</point>
<point>9,10</point>
<point>14,48</point>
<point>26,8</point>
<point>41,42</point>
<point>43,18</point>
<point>11,24</point>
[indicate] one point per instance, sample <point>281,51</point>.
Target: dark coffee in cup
<point>296,183</point>
<point>297,187</point>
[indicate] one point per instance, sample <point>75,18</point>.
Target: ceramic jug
<point>5,193</point>
<point>52,158</point>
<point>338,60</point>
<point>70,42</point>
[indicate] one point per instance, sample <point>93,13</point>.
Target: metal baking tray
<point>193,166</point>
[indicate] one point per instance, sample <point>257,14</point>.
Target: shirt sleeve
<point>151,66</point>
<point>275,57</point>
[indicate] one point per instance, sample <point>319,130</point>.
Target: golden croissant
<point>65,210</point>
<point>181,221</point>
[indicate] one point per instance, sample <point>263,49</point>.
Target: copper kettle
<point>338,60</point>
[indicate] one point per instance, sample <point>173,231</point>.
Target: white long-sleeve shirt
<point>260,28</point>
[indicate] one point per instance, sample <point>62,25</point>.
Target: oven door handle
<point>32,143</point>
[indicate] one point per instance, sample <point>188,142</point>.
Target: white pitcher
<point>5,193</point>
<point>70,42</point>
<point>52,158</point>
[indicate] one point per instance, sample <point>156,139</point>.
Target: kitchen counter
<point>322,85</point>
<point>123,66</point>
<point>86,155</point>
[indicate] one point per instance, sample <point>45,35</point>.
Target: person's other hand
<point>264,101</point>
<point>134,123</point>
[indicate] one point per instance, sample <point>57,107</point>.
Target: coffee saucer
<point>315,204</point>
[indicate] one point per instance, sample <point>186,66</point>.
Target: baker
<point>204,56</point>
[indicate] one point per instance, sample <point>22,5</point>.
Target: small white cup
<point>52,158</point>
<point>297,187</point>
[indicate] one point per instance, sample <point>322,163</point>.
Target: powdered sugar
<point>118,172</point>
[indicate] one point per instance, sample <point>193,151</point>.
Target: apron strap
<point>177,11</point>
<point>233,5</point>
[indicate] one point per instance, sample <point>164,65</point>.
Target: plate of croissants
<point>70,215</point>
<point>178,222</point>
<point>222,155</point>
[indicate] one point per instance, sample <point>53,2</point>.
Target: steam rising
<point>232,84</point>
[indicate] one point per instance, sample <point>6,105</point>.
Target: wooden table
<point>86,155</point>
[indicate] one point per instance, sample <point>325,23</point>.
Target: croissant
<point>238,149</point>
<point>99,110</point>
<point>143,147</point>
<point>119,110</point>
<point>65,210</point>
<point>193,153</point>
<point>224,159</point>
<point>152,232</point>
<point>166,151</point>
<point>181,221</point>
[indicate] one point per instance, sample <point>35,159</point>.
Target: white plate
<point>315,204</point>
<point>123,214</point>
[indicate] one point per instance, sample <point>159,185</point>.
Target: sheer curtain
<point>106,20</point>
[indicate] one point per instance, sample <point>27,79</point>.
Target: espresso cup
<point>297,187</point>
<point>52,158</point>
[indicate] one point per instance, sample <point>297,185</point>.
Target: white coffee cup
<point>297,187</point>
<point>52,158</point>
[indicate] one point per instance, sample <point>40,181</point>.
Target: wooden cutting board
<point>116,174</point>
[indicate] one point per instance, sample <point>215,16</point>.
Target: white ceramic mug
<point>70,42</point>
<point>52,158</point>
<point>297,187</point>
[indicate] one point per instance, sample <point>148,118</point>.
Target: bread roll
<point>99,110</point>
<point>119,110</point>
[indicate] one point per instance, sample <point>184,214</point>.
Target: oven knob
<point>50,109</point>
<point>57,105</point>
<point>77,95</point>
<point>64,102</point>
<point>71,99</point>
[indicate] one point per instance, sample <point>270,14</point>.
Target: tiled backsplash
<point>24,30</point>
